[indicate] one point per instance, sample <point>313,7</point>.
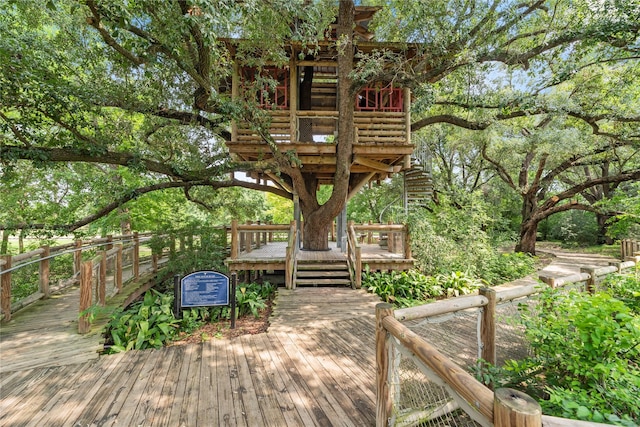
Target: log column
<point>512,408</point>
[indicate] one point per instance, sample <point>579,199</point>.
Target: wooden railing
<point>291,252</point>
<point>250,236</point>
<point>354,256</point>
<point>629,248</point>
<point>394,339</point>
<point>114,254</point>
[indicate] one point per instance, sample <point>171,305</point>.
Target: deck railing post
<point>102,283</point>
<point>384,403</point>
<point>118,269</point>
<point>77,257</point>
<point>512,408</point>
<point>234,239</point>
<point>44,271</point>
<point>136,255</point>
<point>249,239</point>
<point>109,245</point>
<point>5,287</point>
<point>370,234</point>
<point>258,237</point>
<point>358,267</point>
<point>86,276</point>
<point>591,282</point>
<point>488,328</point>
<point>391,239</point>
<point>172,247</point>
<point>406,244</point>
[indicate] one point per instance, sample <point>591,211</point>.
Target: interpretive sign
<point>204,289</point>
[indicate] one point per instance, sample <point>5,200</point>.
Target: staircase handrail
<point>291,256</point>
<point>354,256</point>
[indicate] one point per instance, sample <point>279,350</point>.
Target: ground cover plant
<point>151,323</point>
<point>586,353</point>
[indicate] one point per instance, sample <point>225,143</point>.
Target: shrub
<point>584,366</point>
<point>408,288</point>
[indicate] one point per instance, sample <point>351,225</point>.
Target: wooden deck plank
<point>123,413</point>
<point>182,385</point>
<point>164,404</point>
<point>270,409</point>
<point>238,404</point>
<point>325,407</point>
<point>95,375</point>
<point>226,411</point>
<point>207,399</point>
<point>288,390</point>
<point>246,390</point>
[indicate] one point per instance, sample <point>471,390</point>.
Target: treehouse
<point>301,101</point>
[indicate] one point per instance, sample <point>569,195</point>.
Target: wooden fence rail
<point>484,406</point>
<point>42,256</point>
<point>629,248</point>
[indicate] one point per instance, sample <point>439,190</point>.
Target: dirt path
<point>566,262</point>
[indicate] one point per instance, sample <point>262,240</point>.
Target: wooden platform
<point>320,374</point>
<point>314,367</point>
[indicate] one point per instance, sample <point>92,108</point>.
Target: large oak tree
<point>141,84</point>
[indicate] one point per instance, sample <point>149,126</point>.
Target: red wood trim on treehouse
<point>268,97</point>
<point>388,98</point>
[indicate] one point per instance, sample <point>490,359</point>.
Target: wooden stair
<point>418,184</point>
<point>322,273</point>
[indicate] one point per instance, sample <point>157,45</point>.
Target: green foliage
<point>408,288</point>
<point>585,353</point>
<point>151,323</point>
<point>458,238</point>
<point>25,281</point>
<point>626,288</point>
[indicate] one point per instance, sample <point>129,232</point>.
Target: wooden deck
<point>272,256</point>
<point>306,371</point>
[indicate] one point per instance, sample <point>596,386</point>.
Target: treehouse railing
<point>371,127</point>
<point>129,253</point>
<point>247,237</point>
<point>418,384</point>
<point>629,248</point>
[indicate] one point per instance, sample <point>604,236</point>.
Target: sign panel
<point>204,289</point>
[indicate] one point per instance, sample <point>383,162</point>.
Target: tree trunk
<point>529,225</point>
<point>528,234</point>
<point>4,246</point>
<point>318,218</point>
<point>602,229</point>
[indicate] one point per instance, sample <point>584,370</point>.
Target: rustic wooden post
<point>77,257</point>
<point>136,255</point>
<point>258,237</point>
<point>181,244</point>
<point>102,282</point>
<point>5,289</point>
<point>118,269</point>
<point>234,239</point>
<point>591,282</point>
<point>512,408</point>
<point>45,271</point>
<point>86,273</point>
<point>391,239</point>
<point>154,262</point>
<point>370,235</point>
<point>172,247</point>
<point>270,233</point>
<point>384,404</point>
<point>406,244</point>
<point>358,267</point>
<point>333,231</point>
<point>488,328</point>
<point>249,239</point>
<point>109,242</point>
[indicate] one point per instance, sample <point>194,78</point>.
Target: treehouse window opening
<point>268,96</point>
<point>386,98</point>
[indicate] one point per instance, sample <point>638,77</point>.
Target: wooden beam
<point>357,186</point>
<point>373,164</point>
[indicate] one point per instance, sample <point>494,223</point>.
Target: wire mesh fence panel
<point>456,335</point>
<point>511,343</point>
<point>419,397</point>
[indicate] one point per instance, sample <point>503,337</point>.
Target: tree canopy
<point>142,86</point>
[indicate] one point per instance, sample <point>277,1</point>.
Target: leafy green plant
<point>408,288</point>
<point>584,366</point>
